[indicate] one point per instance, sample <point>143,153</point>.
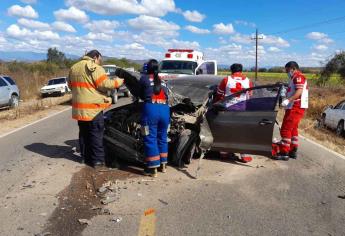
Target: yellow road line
<point>148,223</point>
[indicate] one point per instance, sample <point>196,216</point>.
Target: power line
<point>325,22</point>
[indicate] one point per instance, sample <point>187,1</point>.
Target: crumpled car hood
<point>195,87</point>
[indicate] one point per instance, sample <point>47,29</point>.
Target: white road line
<point>323,147</point>
<point>35,122</point>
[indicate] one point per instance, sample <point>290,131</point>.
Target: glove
<point>285,103</point>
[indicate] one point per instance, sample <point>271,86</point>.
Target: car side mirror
<point>198,71</point>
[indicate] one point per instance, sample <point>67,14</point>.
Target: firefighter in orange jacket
<point>233,84</point>
<point>295,104</point>
<point>89,83</point>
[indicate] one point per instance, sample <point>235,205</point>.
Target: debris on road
<point>84,222</point>
<point>29,184</point>
<point>341,196</point>
<point>116,219</point>
<point>110,192</point>
<point>164,202</point>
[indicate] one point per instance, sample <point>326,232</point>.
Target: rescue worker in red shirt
<point>233,84</point>
<point>295,104</point>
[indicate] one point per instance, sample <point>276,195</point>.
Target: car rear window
<point>9,80</point>
<point>2,83</point>
<point>57,81</point>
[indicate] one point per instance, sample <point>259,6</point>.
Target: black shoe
<point>152,172</point>
<point>98,165</point>
<point>293,153</point>
<point>281,157</point>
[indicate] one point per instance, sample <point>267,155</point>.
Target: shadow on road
<point>56,151</point>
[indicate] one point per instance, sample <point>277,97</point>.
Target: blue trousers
<point>155,121</point>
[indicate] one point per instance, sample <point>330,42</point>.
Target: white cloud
<point>245,23</point>
<point>29,1</point>
<point>196,30</point>
<point>319,36</point>
<point>62,26</point>
<point>241,38</point>
<point>22,33</point>
<point>274,40</point>
<point>116,7</point>
<point>194,16</point>
<point>99,36</point>
<point>2,39</point>
<point>316,35</point>
<point>274,49</point>
<point>133,46</point>
<point>72,13</point>
<point>148,23</point>
<point>104,26</point>
<point>321,47</point>
<point>33,24</point>
<point>19,11</point>
<point>221,28</point>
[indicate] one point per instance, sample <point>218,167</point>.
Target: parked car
<point>114,94</point>
<point>9,92</point>
<point>197,125</point>
<point>333,117</point>
<point>56,86</point>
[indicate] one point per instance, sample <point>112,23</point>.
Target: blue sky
<point>306,31</point>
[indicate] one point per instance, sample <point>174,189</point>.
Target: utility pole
<point>256,52</point>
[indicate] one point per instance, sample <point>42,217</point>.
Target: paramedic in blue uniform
<point>155,119</point>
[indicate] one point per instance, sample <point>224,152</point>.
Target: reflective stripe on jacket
<point>89,84</point>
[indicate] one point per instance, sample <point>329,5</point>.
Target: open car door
<point>245,126</point>
<point>207,68</point>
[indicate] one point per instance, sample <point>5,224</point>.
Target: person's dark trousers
<point>91,140</point>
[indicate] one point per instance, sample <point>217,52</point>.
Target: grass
<point>30,77</point>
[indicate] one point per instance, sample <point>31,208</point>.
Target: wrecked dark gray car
<point>197,125</point>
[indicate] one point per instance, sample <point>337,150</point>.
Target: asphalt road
<point>265,197</point>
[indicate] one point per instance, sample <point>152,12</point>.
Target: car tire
<point>115,96</point>
<point>322,122</point>
<point>14,101</point>
<point>340,129</point>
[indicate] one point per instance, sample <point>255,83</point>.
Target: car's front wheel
<point>340,129</point>
<point>14,102</point>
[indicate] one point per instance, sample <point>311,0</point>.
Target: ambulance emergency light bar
<point>190,51</point>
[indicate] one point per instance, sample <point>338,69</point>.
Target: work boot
<point>281,156</point>
<point>98,165</point>
<point>163,168</point>
<point>152,172</point>
<point>293,153</point>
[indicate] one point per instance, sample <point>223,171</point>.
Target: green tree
<point>55,56</point>
<point>334,65</point>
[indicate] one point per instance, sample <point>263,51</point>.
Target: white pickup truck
<point>182,62</point>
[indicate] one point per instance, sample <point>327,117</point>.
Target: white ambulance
<point>182,62</point>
